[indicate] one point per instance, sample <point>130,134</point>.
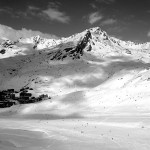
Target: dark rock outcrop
<point>73,52</point>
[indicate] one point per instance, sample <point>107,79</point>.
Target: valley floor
<point>101,133</point>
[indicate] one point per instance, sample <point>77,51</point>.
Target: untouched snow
<point>99,87</point>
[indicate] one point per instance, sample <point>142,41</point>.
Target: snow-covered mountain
<point>40,63</point>
<point>87,61</point>
<point>98,87</point>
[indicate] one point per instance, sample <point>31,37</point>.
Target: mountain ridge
<point>49,43</point>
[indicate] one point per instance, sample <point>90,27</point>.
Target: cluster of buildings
<point>9,98</point>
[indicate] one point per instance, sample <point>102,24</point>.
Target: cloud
<point>94,17</point>
<point>148,34</point>
<point>93,5</point>
<point>51,13</point>
<point>106,1</point>
<point>56,15</point>
<point>13,34</point>
<point>108,22</point>
<point>33,8</point>
<point>30,10</point>
<point>7,10</point>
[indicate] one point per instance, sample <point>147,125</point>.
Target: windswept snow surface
<point>99,87</point>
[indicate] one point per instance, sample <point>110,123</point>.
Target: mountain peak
<point>94,29</point>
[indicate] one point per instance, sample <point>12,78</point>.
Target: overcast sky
<point>126,19</point>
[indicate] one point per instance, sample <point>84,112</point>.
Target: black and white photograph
<point>74,74</point>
